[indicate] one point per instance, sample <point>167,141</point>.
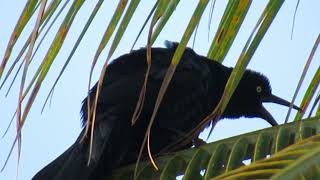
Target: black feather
<point>193,93</point>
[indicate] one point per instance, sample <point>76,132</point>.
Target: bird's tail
<point>72,164</point>
<point>105,156</point>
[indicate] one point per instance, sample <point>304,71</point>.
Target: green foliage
<point>222,159</point>
<point>293,153</point>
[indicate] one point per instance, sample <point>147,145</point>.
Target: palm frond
<point>286,144</point>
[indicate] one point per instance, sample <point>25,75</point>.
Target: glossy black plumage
<point>194,91</point>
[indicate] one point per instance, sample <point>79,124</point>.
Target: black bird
<point>194,91</point>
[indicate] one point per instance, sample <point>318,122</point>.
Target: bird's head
<point>253,90</point>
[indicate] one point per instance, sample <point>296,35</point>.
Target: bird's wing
<point>114,137</point>
<point>117,101</point>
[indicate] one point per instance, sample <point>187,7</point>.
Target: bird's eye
<point>259,89</point>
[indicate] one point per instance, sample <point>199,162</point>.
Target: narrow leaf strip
<point>105,39</point>
<point>162,6</point>
<point>175,60</point>
<point>84,30</point>
<point>23,20</point>
<point>229,26</point>
<point>144,25</point>
<point>306,99</point>
<point>45,19</point>
<point>163,21</point>
<point>27,62</point>
<point>40,67</point>
<point>51,54</point>
<point>122,27</point>
<point>312,87</point>
<point>316,101</point>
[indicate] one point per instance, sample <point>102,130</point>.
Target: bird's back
<point>193,92</point>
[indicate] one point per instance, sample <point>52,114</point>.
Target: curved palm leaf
<point>222,159</point>
<point>297,160</point>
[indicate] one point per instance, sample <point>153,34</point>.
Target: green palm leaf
<point>292,155</point>
<point>291,151</point>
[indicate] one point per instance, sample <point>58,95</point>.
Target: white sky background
<point>46,136</point>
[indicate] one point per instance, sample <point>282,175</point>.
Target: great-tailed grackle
<point>194,91</point>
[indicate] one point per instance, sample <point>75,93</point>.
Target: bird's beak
<point>274,99</point>
<point>264,114</point>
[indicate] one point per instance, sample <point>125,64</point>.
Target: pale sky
<point>47,135</point>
